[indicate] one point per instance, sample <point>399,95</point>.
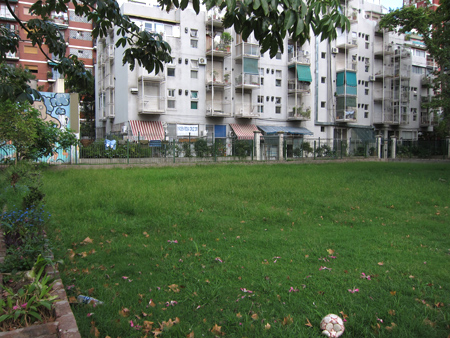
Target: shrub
<point>201,147</point>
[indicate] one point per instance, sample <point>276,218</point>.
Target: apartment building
<point>367,82</point>
<point>78,36</point>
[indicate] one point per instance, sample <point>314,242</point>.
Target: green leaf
<point>35,315</point>
<point>289,19</point>
<point>5,317</point>
<point>256,4</point>
<point>265,7</point>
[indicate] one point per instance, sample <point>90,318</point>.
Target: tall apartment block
<point>367,82</point>
<point>78,36</point>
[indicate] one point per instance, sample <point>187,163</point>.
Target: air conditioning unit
<point>204,133</point>
<point>306,52</point>
<point>202,61</point>
<point>334,50</point>
<point>124,130</point>
<point>231,134</point>
<point>371,78</point>
<point>134,90</point>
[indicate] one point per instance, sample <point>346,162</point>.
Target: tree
<point>22,127</point>
<point>434,27</point>
<point>270,21</point>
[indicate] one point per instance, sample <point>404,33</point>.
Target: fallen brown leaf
<point>426,321</point>
<point>390,328</point>
<point>308,323</point>
<point>87,240</point>
<point>255,316</point>
<point>267,326</point>
<point>190,335</point>
<point>217,330</point>
<point>124,312</point>
<point>288,320</point>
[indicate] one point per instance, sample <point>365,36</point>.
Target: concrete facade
<point>365,83</point>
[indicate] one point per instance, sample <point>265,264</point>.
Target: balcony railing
<point>151,105</point>
<point>346,115</point>
<point>248,81</point>
<point>246,111</point>
<point>295,86</point>
<point>299,114</point>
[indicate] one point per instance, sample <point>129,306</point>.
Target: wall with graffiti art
<point>54,107</point>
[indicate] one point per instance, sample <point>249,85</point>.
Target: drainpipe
<point>316,84</point>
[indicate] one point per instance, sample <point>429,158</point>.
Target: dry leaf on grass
<point>308,323</point>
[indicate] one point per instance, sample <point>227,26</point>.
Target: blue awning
<point>271,130</point>
<point>304,73</point>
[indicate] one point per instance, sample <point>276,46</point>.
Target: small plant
<point>187,149</point>
<point>226,38</point>
<point>30,304</point>
<point>306,147</point>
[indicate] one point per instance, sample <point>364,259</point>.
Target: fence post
<point>253,145</point>
<point>257,144</point>
<point>128,151</point>
<point>280,145</point>
<point>315,149</point>
<point>394,147</point>
<point>215,150</point>
<point>173,147</point>
<point>341,148</point>
<point>448,147</point>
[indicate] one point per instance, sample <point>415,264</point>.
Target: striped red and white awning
<point>147,130</point>
<point>244,131</point>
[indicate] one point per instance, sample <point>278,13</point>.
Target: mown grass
<point>267,229</point>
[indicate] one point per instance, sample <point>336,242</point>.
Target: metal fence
<point>113,150</point>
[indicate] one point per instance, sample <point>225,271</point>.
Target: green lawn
<point>260,251</point>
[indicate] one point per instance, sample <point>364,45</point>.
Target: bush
<point>24,238</point>
<point>242,148</point>
<point>201,148</point>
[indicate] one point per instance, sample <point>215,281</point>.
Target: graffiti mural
<point>54,107</point>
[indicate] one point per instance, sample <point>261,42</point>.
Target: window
<point>194,94</point>
<point>278,57</point>
<point>367,45</point>
<point>277,110</point>
<point>419,53</point>
<point>194,105</point>
<point>366,107</point>
<point>278,100</point>
<point>367,37</point>
<point>366,69</point>
<point>260,99</point>
<point>415,97</point>
<point>194,63</point>
<point>278,82</point>
<point>278,74</point>
<point>170,71</point>
<point>366,92</point>
<point>322,129</point>
<point>194,43</point>
<point>262,81</point>
<point>32,69</point>
<point>26,10</point>
<point>171,104</point>
<point>366,114</point>
<point>261,71</point>
<point>323,79</point>
<point>324,55</point>
<point>367,84</point>
<point>418,70</point>
<point>260,109</point>
<point>171,92</point>
<point>323,104</point>
<point>194,74</point>
<point>30,49</point>
<point>194,33</point>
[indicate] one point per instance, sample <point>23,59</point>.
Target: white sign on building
<point>187,129</point>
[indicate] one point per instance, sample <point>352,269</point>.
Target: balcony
<point>151,105</point>
<point>249,81</point>
<point>295,86</point>
<point>346,65</point>
<point>346,42</point>
<point>386,49</point>
<point>248,50</point>
<point>145,76</point>
<point>246,111</point>
<point>214,18</point>
<point>299,59</point>
<point>60,19</point>
<point>219,50</point>
<point>217,109</point>
<point>12,56</point>
<point>426,82</point>
<point>388,118</point>
<point>380,94</point>
<point>346,116</point>
<point>299,114</point>
<point>427,119</point>
<point>383,73</point>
